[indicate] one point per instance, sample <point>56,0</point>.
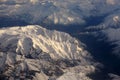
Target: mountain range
<point>95,24</point>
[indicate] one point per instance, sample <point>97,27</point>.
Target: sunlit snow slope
<point>33,52</point>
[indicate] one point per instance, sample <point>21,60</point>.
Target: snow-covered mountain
<point>57,11</point>
<point>99,18</point>
<point>109,31</point>
<point>33,52</point>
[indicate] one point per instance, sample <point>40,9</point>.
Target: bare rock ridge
<point>35,53</point>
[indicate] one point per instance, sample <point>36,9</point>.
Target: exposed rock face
<point>33,52</point>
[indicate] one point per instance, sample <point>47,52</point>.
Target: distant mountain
<point>57,11</point>
<point>33,52</point>
<point>109,31</point>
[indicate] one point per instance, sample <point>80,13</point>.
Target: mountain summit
<point>33,52</point>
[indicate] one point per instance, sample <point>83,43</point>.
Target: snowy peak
<point>58,44</point>
<point>37,52</point>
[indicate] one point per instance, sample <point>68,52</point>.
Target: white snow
<point>35,49</point>
<point>56,43</point>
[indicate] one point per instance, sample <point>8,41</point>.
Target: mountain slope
<point>33,52</point>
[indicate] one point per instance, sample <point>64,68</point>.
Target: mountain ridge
<point>33,52</point>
